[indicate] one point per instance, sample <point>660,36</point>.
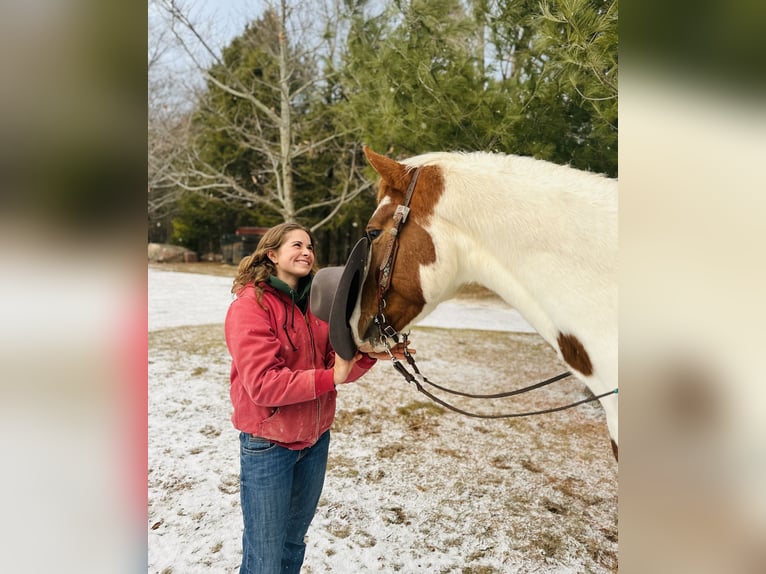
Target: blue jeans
<point>279,491</point>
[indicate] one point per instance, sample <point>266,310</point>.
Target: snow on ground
<point>410,487</point>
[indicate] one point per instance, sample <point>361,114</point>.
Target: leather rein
<point>387,331</point>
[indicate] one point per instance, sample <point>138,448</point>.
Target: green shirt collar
<point>297,295</point>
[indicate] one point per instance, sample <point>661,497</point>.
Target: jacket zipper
<point>313,363</point>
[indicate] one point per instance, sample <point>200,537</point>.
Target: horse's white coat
<point>540,235</point>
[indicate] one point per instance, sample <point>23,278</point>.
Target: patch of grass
<point>601,555</point>
<point>396,515</point>
<point>476,555</point>
<point>451,452</point>
<point>452,543</point>
<point>421,416</point>
<point>374,476</point>
<point>210,431</point>
<point>345,419</point>
<point>419,406</point>
<point>172,485</point>
<point>569,486</point>
<point>216,268</point>
<point>554,507</point>
<point>200,340</point>
<point>339,530</point>
<point>610,534</point>
<point>549,544</point>
<point>530,466</point>
<point>501,461</point>
<point>343,466</point>
<point>390,451</point>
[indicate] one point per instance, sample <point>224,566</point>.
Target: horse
<point>540,235</point>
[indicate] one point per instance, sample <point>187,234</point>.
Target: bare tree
<point>274,123</point>
<point>167,137</point>
<point>168,129</point>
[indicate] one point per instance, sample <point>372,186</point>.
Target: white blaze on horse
<point>540,235</point>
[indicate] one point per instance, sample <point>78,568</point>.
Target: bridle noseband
<point>387,331</point>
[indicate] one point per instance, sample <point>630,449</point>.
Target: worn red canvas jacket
<point>281,373</point>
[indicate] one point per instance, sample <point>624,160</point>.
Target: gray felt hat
<point>334,292</point>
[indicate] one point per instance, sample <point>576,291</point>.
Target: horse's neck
<point>538,240</point>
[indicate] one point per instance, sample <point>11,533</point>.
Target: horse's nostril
<point>369,333</point>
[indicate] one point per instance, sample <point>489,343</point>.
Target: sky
<point>218,21</point>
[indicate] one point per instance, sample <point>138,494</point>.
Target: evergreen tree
<point>493,75</point>
<point>278,129</point>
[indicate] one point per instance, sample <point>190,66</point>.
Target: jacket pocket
<point>292,424</point>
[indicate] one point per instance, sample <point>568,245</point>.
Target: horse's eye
<point>373,233</point>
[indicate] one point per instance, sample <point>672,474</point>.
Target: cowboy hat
<point>334,292</point>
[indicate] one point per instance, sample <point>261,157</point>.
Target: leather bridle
<point>385,328</point>
<point>387,331</point>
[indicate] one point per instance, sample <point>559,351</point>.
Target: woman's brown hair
<point>257,267</point>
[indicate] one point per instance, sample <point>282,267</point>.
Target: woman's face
<point>295,257</point>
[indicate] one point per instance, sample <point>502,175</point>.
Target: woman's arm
<point>257,355</point>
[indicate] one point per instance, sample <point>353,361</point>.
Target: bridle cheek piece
<point>385,329</point>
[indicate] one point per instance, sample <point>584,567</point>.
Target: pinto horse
<point>540,235</point>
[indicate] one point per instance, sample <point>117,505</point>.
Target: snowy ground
<point>410,487</point>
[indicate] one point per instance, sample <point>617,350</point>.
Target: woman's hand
<point>342,368</point>
<point>397,350</point>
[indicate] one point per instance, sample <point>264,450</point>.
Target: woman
<point>283,379</point>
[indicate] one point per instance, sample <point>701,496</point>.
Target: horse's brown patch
<point>575,354</point>
<point>404,299</point>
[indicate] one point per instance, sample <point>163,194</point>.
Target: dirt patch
<point>201,267</point>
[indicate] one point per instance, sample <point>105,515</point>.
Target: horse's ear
<point>392,172</point>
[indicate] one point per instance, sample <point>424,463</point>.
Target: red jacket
<point>281,371</point>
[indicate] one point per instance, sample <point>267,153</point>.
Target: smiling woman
<point>295,258</point>
<point>283,378</point>
<point>263,263</point>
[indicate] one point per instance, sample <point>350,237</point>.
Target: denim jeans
<point>279,492</point>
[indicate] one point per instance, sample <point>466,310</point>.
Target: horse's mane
<point>478,165</point>
<point>495,162</point>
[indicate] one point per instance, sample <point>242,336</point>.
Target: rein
<point>418,377</point>
<point>388,331</point>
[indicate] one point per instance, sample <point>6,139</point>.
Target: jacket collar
<point>298,297</point>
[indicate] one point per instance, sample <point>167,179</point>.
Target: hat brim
<point>334,293</point>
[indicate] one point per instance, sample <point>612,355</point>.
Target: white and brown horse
<point>540,235</point>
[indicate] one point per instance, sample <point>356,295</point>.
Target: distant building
<point>240,243</point>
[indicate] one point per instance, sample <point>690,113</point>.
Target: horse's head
<point>412,247</point>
